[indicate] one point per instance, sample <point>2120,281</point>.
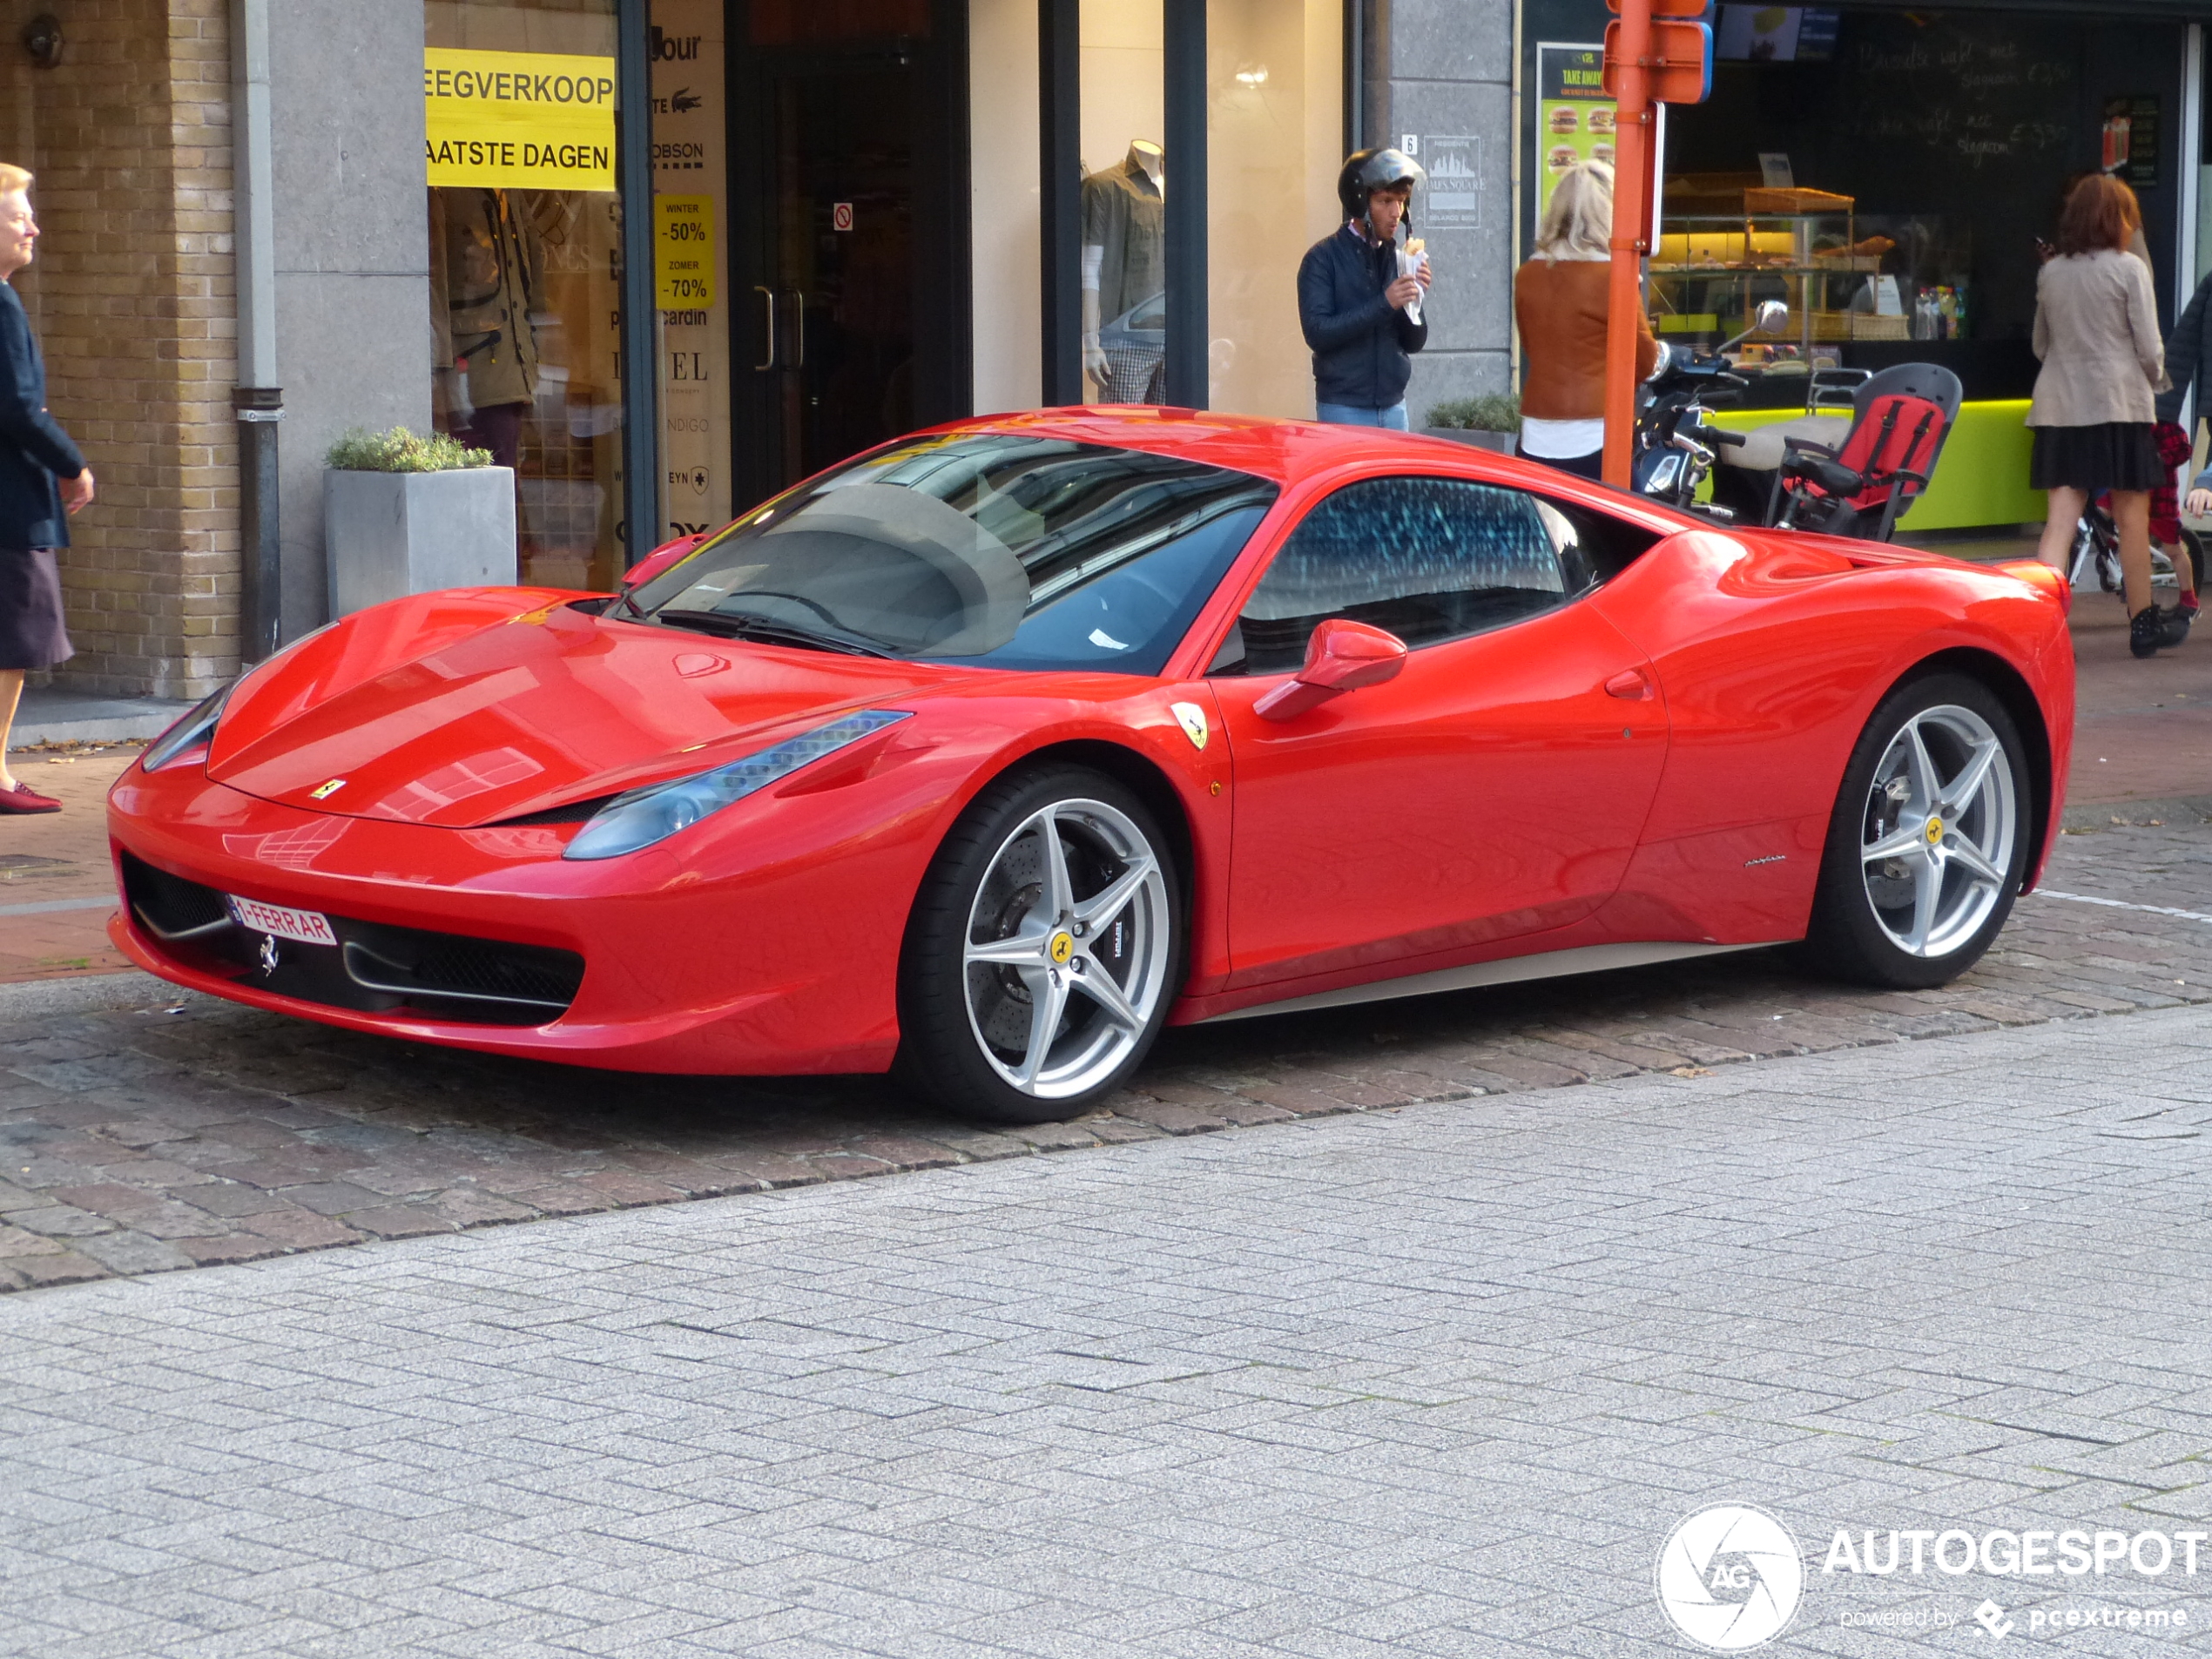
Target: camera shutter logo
<point>1730,1577</point>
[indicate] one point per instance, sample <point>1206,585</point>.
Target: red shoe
<point>24,798</point>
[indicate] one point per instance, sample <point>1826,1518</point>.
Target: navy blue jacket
<point>2189,360</point>
<point>1361,341</point>
<point>33,448</point>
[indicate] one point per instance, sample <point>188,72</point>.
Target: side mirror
<point>1341,656</point>
<point>1774,317</point>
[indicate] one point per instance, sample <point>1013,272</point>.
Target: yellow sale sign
<point>518,120</point>
<point>685,248</point>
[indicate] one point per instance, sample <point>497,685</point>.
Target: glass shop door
<point>844,333</point>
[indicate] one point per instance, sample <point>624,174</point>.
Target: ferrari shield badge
<point>1192,719</point>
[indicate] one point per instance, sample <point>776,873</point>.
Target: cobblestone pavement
<point>56,886</point>
<point>1435,1380</point>
<point>167,1133</point>
<point>2144,730</point>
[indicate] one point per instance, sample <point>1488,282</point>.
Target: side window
<point>1429,559</point>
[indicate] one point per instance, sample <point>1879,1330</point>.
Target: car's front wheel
<point>1043,950</point>
<point>1928,841</point>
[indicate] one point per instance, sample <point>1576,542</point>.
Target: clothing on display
<point>1124,243</point>
<point>491,254</point>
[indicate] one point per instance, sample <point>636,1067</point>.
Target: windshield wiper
<point>728,626</point>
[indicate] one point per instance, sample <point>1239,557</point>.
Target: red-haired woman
<point>2096,330</point>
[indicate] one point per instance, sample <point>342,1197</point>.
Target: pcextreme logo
<point>1730,1577</point>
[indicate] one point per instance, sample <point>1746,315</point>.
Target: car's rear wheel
<point>1043,951</point>
<point>1928,840</point>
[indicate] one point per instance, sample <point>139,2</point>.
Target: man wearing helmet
<point>1357,303</point>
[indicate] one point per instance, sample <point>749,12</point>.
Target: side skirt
<point>1585,959</point>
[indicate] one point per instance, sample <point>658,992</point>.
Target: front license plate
<point>309,927</point>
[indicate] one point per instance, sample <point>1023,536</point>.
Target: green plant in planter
<point>401,450</point>
<point>1492,412</point>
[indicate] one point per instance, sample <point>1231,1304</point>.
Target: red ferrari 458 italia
<point>992,750</point>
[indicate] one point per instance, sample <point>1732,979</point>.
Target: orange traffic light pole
<point>1631,60</point>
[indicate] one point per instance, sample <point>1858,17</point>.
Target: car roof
<point>1285,452</point>
<point>1281,450</point>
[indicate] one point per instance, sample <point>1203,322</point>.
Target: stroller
<point>1899,419</point>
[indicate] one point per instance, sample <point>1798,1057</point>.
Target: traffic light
<point>1681,65</point>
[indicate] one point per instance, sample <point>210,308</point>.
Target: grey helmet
<point>1368,171</point>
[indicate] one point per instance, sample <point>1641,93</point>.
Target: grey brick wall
<point>1443,68</point>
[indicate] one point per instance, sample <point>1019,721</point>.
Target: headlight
<point>644,816</point>
<point>194,730</point>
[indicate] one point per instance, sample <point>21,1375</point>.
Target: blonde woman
<point>1559,303</point>
<point>43,479</point>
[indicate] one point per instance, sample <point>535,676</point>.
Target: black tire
<point>964,1057</point>
<point>1854,934</point>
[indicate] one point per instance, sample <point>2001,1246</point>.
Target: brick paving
<point>57,859</point>
<point>1422,1382</point>
<point>174,1131</point>
<point>2144,730</point>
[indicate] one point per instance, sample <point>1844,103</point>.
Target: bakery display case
<point>1726,245</point>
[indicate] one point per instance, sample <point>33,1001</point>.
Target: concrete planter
<point>1502,442</point>
<point>389,534</point>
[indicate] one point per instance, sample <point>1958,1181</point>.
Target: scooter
<point>1677,445</point>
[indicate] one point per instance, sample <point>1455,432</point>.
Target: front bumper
<point>486,939</point>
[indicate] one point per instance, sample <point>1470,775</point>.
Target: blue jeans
<point>1348,414</point>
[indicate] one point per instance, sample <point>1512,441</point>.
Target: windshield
<point>1014,551</point>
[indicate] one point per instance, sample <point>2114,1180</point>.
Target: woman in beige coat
<point>2096,330</point>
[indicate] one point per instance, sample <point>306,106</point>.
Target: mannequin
<point>1124,247</point>
<point>494,263</point>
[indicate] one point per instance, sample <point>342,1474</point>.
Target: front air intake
<point>375,967</point>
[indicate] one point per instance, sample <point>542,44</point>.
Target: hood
<point>464,709</point>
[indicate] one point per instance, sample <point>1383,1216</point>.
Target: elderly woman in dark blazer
<point>2095,405</point>
<point>43,478</point>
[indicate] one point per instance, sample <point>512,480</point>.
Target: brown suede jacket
<point>1559,306</point>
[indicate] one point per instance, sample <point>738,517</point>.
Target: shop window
<point>1126,178</point>
<point>525,238</point>
<point>1005,206</point>
<point>1274,136</point>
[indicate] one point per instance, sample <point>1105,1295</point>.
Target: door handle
<point>798,327</point>
<point>1631,683</point>
<point>769,294</point>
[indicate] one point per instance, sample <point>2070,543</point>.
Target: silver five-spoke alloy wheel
<point>1938,833</point>
<point>1067,948</point>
